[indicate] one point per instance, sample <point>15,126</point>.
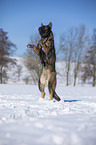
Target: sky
<point>22,18</point>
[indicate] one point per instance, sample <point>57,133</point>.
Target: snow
<point>26,119</point>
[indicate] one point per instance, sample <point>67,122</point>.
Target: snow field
<point>26,119</point>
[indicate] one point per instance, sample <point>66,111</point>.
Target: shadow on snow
<point>71,100</point>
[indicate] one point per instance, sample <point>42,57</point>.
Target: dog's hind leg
<point>42,83</point>
<point>41,88</point>
<point>52,84</point>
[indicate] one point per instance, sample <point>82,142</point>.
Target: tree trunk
<point>93,81</point>
<point>68,72</point>
<point>94,77</point>
<point>1,80</point>
<point>75,77</point>
<point>67,78</point>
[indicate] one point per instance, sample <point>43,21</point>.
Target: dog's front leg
<point>36,49</point>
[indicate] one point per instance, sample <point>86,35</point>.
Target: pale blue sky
<point>21,18</point>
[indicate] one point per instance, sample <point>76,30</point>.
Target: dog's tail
<point>55,96</point>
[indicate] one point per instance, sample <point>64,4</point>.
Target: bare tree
<point>80,44</point>
<point>19,71</point>
<point>6,50</point>
<point>66,48</point>
<point>31,61</point>
<point>72,46</point>
<point>89,69</point>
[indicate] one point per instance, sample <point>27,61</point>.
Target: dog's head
<point>45,31</point>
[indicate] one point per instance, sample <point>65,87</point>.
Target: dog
<point>46,51</point>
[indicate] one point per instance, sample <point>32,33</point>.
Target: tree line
<point>76,45</point>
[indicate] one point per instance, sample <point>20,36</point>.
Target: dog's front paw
<point>29,45</point>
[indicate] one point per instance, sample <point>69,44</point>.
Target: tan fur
<point>42,95</point>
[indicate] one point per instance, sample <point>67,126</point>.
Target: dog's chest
<point>46,46</point>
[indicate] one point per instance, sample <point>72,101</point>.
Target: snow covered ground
<point>26,119</point>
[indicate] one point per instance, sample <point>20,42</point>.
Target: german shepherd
<point>46,50</point>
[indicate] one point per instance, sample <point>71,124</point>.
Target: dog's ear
<point>41,24</point>
<point>50,25</point>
